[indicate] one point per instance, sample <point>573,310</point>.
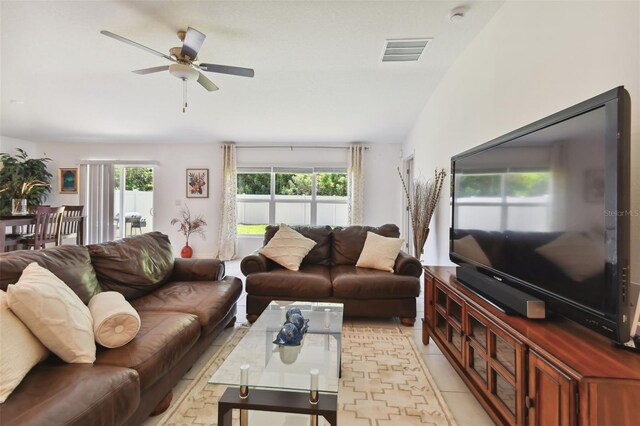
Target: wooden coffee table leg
<point>278,401</point>
<point>224,414</point>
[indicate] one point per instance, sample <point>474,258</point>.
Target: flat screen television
<point>545,209</point>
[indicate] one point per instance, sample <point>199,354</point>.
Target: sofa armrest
<point>197,270</point>
<point>407,265</point>
<point>255,262</point>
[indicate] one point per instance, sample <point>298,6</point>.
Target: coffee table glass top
<point>287,367</point>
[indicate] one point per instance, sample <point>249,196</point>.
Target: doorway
<point>407,174</point>
<point>133,200</point>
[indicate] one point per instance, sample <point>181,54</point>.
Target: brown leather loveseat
<point>183,305</point>
<point>328,273</point>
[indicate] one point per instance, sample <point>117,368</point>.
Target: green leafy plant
<point>140,178</point>
<point>189,225</point>
<point>22,177</point>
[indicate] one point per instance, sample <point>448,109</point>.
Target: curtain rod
<point>121,162</point>
<point>292,147</point>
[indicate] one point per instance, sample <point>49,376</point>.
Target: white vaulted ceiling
<point>318,71</point>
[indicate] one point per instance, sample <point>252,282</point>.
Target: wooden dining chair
<point>11,242</point>
<point>47,228</point>
<point>70,227</point>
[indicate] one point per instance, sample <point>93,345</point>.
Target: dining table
<point>16,221</point>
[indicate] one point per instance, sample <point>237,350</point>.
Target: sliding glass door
<point>133,200</point>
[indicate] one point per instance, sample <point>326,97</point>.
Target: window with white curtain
<point>295,196</point>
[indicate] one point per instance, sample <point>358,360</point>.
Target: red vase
<point>186,252</point>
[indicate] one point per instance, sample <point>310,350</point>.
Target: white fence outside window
<point>313,209</point>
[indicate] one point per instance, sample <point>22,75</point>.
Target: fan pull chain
<point>184,94</point>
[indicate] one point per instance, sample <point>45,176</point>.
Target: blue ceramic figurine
<point>293,330</point>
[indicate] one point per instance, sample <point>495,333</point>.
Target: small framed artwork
<point>197,183</point>
<point>68,181</point>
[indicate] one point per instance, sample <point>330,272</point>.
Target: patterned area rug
<point>384,382</point>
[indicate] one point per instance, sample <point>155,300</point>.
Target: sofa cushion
<point>310,282</point>
<point>348,242</point>
<point>20,350</point>
<point>71,264</point>
<point>379,252</point>
<point>320,254</point>
<point>115,322</point>
<point>73,394</point>
<point>164,338</point>
<point>197,269</point>
<point>54,314</point>
<point>287,248</point>
<point>133,266</point>
<point>351,282</point>
<point>210,301</point>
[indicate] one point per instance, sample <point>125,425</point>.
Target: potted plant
<point>188,226</point>
<point>421,203</point>
<point>24,179</point>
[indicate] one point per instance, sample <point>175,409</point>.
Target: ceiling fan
<point>185,64</point>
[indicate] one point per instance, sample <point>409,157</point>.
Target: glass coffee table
<point>284,378</point>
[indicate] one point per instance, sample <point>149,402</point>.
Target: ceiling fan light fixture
<point>183,72</point>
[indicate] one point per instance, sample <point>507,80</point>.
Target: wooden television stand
<point>530,372</point>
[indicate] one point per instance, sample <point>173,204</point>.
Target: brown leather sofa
<point>328,273</point>
<point>183,305</point>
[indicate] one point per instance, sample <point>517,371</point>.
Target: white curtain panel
<point>355,184</point>
<point>96,195</point>
<point>228,242</point>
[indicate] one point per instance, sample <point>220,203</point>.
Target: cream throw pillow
<point>115,321</point>
<point>469,248</point>
<point>579,257</point>
<point>379,252</point>
<point>54,313</point>
<point>19,350</point>
<point>288,247</point>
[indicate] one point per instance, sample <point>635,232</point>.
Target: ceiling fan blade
<point>206,83</point>
<point>227,69</point>
<point>138,45</point>
<point>192,43</point>
<point>151,70</point>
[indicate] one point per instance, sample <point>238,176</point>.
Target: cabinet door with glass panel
<point>448,320</point>
<point>495,361</point>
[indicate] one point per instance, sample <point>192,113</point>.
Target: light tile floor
<point>466,410</point>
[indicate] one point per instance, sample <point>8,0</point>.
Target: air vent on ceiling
<point>404,50</point>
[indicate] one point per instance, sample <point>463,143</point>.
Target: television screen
<point>539,208</point>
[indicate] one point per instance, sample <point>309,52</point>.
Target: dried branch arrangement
<point>189,225</point>
<point>422,202</point>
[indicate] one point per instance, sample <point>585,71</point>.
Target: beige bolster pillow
<point>115,322</point>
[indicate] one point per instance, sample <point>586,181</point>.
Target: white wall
<point>169,182</point>
<point>533,59</point>
<point>8,145</point>
<point>382,190</point>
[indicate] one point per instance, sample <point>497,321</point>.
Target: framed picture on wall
<point>68,181</point>
<point>197,183</point>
